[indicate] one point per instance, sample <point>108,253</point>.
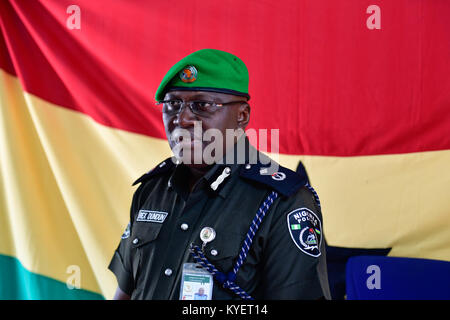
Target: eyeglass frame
<point>216,105</point>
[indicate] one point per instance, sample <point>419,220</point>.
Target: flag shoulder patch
<point>305,229</point>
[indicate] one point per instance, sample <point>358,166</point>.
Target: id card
<point>196,283</point>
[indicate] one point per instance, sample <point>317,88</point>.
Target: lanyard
<point>227,280</point>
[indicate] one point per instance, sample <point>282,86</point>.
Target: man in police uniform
<point>256,234</point>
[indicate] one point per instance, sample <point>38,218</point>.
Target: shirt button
<point>136,240</point>
<point>214,252</point>
<point>184,226</point>
<point>168,272</point>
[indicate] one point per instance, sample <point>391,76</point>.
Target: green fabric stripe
<point>17,283</point>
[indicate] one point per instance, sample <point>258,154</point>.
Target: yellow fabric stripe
<point>65,191</point>
<point>65,186</point>
<point>400,201</point>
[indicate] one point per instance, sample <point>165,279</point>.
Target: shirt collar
<point>214,181</point>
<point>220,178</point>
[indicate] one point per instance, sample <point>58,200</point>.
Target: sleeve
<point>121,262</point>
<point>120,265</point>
<point>294,254</point>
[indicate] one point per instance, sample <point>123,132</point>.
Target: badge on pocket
<point>196,283</point>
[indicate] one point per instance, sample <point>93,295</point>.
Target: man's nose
<point>185,118</point>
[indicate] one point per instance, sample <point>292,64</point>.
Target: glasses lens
<point>202,107</point>
<point>172,106</point>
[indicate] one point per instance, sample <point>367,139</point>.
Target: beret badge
<point>188,74</point>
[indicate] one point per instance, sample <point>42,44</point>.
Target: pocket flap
<point>145,232</point>
<point>226,245</point>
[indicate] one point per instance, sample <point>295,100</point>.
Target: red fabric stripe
<point>5,60</point>
<point>332,86</point>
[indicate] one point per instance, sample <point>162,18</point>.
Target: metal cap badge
<point>188,74</point>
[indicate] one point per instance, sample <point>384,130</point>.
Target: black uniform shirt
<point>165,219</point>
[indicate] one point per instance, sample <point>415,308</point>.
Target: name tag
<point>151,216</point>
<point>196,283</point>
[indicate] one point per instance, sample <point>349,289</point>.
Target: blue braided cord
<point>227,280</point>
<point>200,258</point>
<point>251,232</point>
<point>237,290</point>
<point>314,193</point>
<point>219,276</point>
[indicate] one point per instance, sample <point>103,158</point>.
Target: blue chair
<point>393,278</point>
<point>337,258</point>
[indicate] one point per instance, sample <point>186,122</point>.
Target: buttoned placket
<point>187,231</point>
<point>180,239</point>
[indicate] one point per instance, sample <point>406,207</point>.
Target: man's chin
<point>194,162</point>
<point>192,154</point>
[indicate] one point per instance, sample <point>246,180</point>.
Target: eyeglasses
<point>200,108</point>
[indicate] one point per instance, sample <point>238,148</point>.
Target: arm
<point>292,268</point>
<point>120,295</point>
<point>121,262</point>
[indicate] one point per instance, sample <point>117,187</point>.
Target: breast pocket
<point>143,235</point>
<point>223,251</point>
<point>145,232</point>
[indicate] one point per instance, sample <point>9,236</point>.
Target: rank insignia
<point>188,74</point>
<point>305,229</point>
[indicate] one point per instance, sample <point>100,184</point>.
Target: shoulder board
<point>284,180</point>
<point>302,171</point>
<point>164,166</point>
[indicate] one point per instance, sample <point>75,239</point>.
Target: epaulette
<point>283,180</point>
<point>164,166</point>
<point>302,171</point>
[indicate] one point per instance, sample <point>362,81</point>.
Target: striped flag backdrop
<point>360,91</point>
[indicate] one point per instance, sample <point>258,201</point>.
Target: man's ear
<point>243,116</point>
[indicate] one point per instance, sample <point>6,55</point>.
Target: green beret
<point>207,70</point>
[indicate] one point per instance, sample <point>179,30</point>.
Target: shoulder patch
<point>164,166</point>
<point>305,229</point>
<point>126,234</point>
<point>284,180</point>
